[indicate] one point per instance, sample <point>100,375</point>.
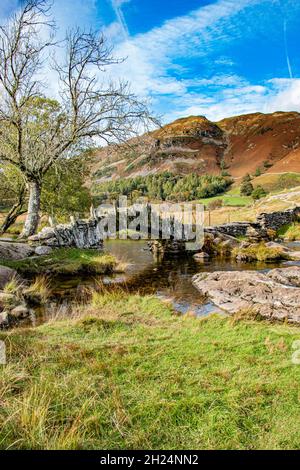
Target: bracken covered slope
<point>240,144</point>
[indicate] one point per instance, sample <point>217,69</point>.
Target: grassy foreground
<point>126,373</point>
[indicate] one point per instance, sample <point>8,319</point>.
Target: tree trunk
<point>11,217</point>
<point>16,210</point>
<point>33,213</point>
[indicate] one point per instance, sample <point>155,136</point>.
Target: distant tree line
<point>164,186</point>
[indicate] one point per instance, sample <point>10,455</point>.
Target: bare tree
<point>42,131</point>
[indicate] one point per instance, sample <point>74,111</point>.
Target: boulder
<point>19,312</point>
<point>6,275</point>
<point>275,294</point>
<point>15,251</point>
<point>43,250</point>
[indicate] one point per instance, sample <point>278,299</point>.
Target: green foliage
<point>246,178</point>
<point>66,261</point>
<point>258,193</point>
<point>290,232</point>
<point>257,172</point>
<point>246,188</point>
<point>64,192</point>
<point>12,183</point>
<point>165,186</point>
<point>258,252</point>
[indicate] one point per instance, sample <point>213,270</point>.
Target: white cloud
<point>287,96</point>
<point>156,59</point>
<point>153,57</point>
<point>276,95</point>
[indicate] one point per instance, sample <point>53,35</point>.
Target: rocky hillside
<point>239,145</point>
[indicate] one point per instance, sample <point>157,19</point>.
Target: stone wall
<point>276,220</point>
<point>86,234</point>
<point>79,234</point>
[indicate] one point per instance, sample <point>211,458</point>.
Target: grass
<point>290,232</point>
<point>277,182</point>
<point>258,252</point>
<point>39,291</point>
<point>228,199</point>
<point>66,261</point>
<point>127,374</point>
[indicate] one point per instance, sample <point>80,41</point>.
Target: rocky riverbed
<point>273,295</point>
<point>13,304</point>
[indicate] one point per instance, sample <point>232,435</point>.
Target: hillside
<point>194,144</point>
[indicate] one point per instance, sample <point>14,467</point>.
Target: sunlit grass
<point>67,261</point>
<point>126,373</point>
<point>290,232</point>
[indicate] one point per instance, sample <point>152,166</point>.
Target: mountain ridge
<point>236,145</point>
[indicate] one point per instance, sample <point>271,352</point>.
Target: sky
<point>216,58</point>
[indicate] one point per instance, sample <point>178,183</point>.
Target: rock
<point>79,233</point>
<point>4,320</point>
<point>43,250</point>
<point>6,275</point>
<point>19,312</point>
<point>15,251</point>
<point>201,256</point>
<point>278,246</point>
<point>294,255</point>
<point>275,220</point>
<point>244,244</point>
<point>275,294</point>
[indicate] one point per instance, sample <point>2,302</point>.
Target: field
<point>127,373</point>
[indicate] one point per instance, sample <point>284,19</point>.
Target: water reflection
<point>169,279</point>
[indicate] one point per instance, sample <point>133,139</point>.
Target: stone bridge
<point>86,233</point>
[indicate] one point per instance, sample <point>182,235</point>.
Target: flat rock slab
<point>275,294</point>
<point>15,251</point>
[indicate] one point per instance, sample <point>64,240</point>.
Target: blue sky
<point>210,57</point>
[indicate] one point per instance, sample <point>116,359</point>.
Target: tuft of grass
<point>39,290</point>
<point>13,286</point>
<point>66,261</point>
<point>258,252</point>
<point>290,232</point>
<point>126,373</point>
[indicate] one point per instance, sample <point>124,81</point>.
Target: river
<point>169,279</point>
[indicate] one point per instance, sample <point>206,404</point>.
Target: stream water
<point>169,279</point>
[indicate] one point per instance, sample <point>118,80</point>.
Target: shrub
<point>246,188</point>
<point>216,204</point>
<point>257,172</point>
<point>258,193</point>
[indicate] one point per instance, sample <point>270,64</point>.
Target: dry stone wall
<point>86,233</point>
